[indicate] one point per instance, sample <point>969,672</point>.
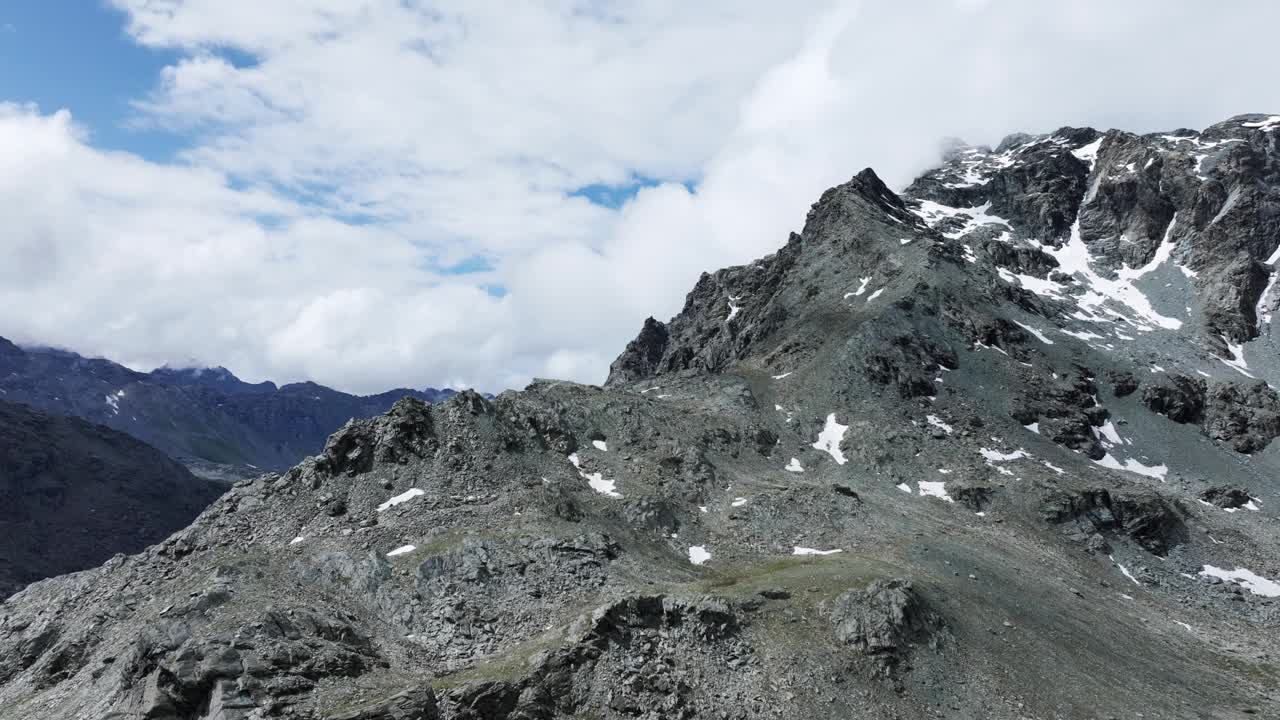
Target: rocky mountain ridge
<point>205,417</point>
<point>946,453</point>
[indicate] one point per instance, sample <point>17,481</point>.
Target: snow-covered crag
<point>997,446</point>
<point>1112,208</point>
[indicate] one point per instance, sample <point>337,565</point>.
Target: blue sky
<point>75,54</point>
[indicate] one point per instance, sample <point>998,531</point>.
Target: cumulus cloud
<point>343,154</point>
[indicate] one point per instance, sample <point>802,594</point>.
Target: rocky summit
<point>999,445</point>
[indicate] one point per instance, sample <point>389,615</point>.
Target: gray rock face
<point>1246,417</point>
<point>1032,180</point>
<point>989,400</point>
<point>642,356</point>
<point>1226,497</point>
<point>884,620</point>
<point>1152,522</point>
<point>1208,199</point>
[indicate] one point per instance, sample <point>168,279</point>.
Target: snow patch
<point>1033,427</point>
<point>1163,252</point>
<point>698,554</point>
<point>932,212</point>
<point>934,489</point>
<point>402,550</point>
<point>794,466</point>
<point>113,400</point>
<point>1044,288</point>
<point>1088,153</point>
<point>830,437</point>
<point>1039,335</point>
<point>797,550</point>
<point>1247,579</point>
<point>874,295</point>
<point>1267,125</point>
<point>1130,465</point>
<point>862,287</point>
<point>997,456</point>
<point>935,421</point>
<point>1074,258</point>
<point>296,540</point>
<point>595,480</point>
<point>602,486</point>
<point>1125,571</point>
<point>1237,360</point>
<point>1108,431</point>
<point>601,445</point>
<point>403,497</point>
<point>1264,307</point>
<point>904,488</point>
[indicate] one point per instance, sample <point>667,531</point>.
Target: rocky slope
<point>981,449</point>
<point>72,494</point>
<point>204,417</point>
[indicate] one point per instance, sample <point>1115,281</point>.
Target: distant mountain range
<point>201,416</point>
<point>73,493</point>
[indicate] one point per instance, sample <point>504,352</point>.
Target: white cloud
<point>363,145</point>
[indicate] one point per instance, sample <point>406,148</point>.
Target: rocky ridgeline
<point>215,423</point>
<point>941,446</point>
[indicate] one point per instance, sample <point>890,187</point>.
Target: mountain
<point>205,417</point>
<point>997,446</point>
<point>74,494</point>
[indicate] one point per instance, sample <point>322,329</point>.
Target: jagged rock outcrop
<point>1248,417</point>
<point>640,657</point>
<point>1152,522</point>
<point>642,355</point>
<point>885,621</point>
<point>1181,399</point>
<point>1065,410</point>
<point>1035,182</point>
<point>1226,497</point>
